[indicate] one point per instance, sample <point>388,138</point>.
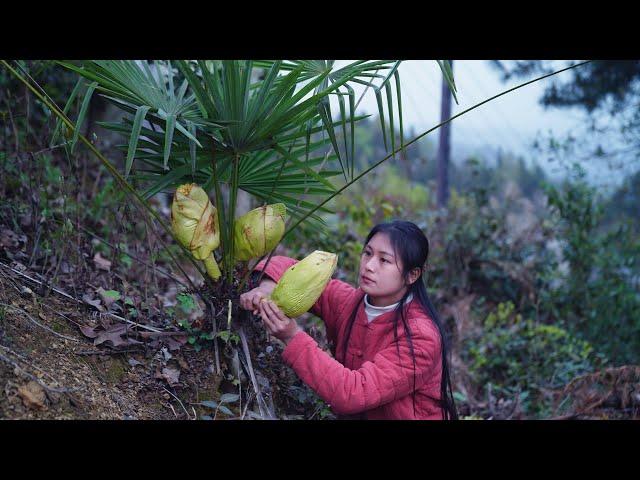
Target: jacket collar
<point>383,320</point>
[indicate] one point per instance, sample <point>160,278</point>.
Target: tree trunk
<point>444,146</point>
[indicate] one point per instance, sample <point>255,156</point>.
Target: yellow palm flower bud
<point>194,221</point>
<point>258,231</point>
<point>302,284</point>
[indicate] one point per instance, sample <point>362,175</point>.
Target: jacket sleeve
<point>333,298</point>
<point>375,383</point>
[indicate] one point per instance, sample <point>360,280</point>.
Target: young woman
<point>390,356</point>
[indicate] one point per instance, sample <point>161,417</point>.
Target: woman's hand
<point>251,299</point>
<point>277,323</point>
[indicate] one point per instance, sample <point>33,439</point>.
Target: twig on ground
<point>36,244</point>
<point>57,269</point>
<point>489,402</point>
<point>61,314</point>
<point>214,331</point>
<point>314,413</point>
<point>35,367</point>
<point>162,334</point>
<point>180,402</point>
<point>261,403</point>
<point>106,352</point>
<point>249,398</point>
<point>36,379</point>
<point>516,404</point>
<point>64,294</point>
<point>153,266</point>
<point>38,323</point>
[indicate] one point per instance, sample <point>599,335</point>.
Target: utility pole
<point>444,145</point>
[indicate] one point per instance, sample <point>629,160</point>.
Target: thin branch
<point>106,352</point>
<point>256,387</point>
<point>179,401</point>
<point>36,379</point>
<point>38,323</point>
<point>8,350</point>
<point>64,294</point>
<point>249,398</point>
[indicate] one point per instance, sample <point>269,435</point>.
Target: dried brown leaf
<point>88,299</point>
<point>114,335</point>
<point>32,395</point>
<point>102,263</point>
<point>171,375</point>
<point>174,343</point>
<point>88,331</point>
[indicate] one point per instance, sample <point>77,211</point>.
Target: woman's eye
<point>382,260</point>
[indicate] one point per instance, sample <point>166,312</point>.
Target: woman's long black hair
<point>412,246</point>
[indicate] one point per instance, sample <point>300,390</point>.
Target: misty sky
<point>511,122</point>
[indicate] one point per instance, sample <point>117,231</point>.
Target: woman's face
<point>381,271</point>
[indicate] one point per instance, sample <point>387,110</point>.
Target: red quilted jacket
<point>372,381</point>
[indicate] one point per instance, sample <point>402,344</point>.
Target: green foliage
<point>112,294</point>
<point>186,309</point>
<point>521,357</point>
<point>105,199</point>
<point>608,91</point>
<point>186,303</point>
<point>186,313</point>
<point>477,247</point>
<point>301,395</point>
<point>623,206</point>
<point>219,406</point>
<point>228,337</point>
<point>597,295</point>
<point>57,83</point>
<point>248,122</point>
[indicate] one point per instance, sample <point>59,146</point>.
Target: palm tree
<point>210,123</point>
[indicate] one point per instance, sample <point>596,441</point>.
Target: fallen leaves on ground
<point>112,334</point>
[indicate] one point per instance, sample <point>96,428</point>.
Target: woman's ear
<point>414,275</point>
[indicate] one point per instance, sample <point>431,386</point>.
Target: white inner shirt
<point>373,312</point>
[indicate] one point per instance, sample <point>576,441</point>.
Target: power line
<point>466,128</point>
<point>498,130</point>
<point>461,126</point>
<point>505,117</point>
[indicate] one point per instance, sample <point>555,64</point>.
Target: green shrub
<point>521,357</point>
<point>597,297</point>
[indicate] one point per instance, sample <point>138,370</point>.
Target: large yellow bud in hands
<point>302,284</point>
<point>194,221</point>
<point>258,231</point>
